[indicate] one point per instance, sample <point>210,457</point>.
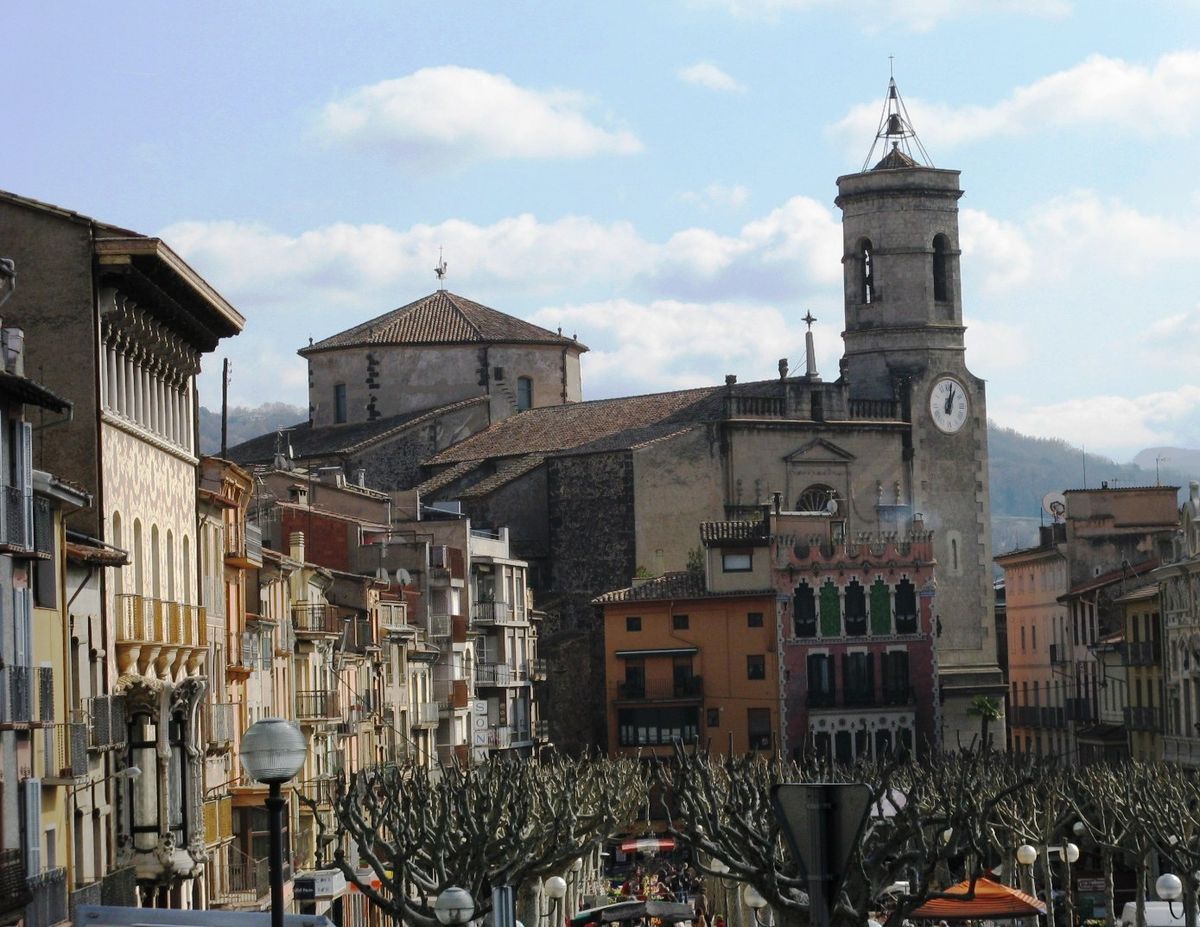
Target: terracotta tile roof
<point>442,318</point>
<point>603,424</point>
<point>91,555</point>
<point>679,585</point>
<point>328,440</point>
<point>506,472</point>
<point>1112,576</point>
<point>445,477</point>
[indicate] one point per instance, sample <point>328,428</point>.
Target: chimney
<point>296,546</point>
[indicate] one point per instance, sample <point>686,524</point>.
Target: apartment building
<point>1142,634</point>
<point>1178,582</point>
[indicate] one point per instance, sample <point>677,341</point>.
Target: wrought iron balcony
<point>243,545</point>
<point>537,670</point>
<point>106,727</point>
<point>316,619</point>
<point>220,726</point>
<point>70,743</point>
<point>317,705</point>
<point>499,674</point>
<point>452,694</point>
<point>16,526</point>
<point>14,889</point>
<point>689,688</point>
<point>48,906</point>
<point>249,879</point>
<point>486,614</point>
<point>119,887</point>
<point>16,695</point>
<point>426,715</point>
<point>541,729</point>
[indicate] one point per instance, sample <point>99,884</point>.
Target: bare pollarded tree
<point>928,820</point>
<point>504,822</point>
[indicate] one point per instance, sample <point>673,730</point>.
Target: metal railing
<point>92,893</point>
<point>322,790</point>
<point>243,543</point>
<point>316,618</point>
<point>141,619</point>
<point>1058,654</point>
<point>249,878</point>
<point>541,729</point>
<point>220,723</point>
<point>689,688</point>
<point>16,694</point>
<point>119,887</point>
<point>43,526</point>
<point>426,715</point>
<point>452,693</point>
<point>318,704</point>
<point>536,669</point>
<point>106,728</point>
<point>489,613</point>
<point>440,624</point>
<point>49,903</point>
<point>70,743</point>
<point>17,517</point>
<point>1143,653</point>
<point>500,674</point>
<point>1080,709</point>
<point>1142,718</point>
<point>13,887</point>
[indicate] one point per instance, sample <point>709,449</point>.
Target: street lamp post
<point>454,906</point>
<point>273,751</point>
<point>1169,888</point>
<point>1070,855</point>
<point>1027,856</point>
<point>756,903</point>
<point>556,891</point>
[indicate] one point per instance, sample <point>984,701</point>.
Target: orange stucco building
<point>684,663</point>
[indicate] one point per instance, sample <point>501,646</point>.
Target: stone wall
<point>396,463</point>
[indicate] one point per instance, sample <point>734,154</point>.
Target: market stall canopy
<point>647,844</point>
<point>668,912</point>
<point>992,899</point>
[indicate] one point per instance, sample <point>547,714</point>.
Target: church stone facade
<point>594,492</point>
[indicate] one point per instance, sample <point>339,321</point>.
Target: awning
<point>647,844</point>
<point>661,652</point>
<point>992,899</point>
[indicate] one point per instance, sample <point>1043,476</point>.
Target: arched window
<point>816,498</point>
<point>170,565</point>
<point>867,259</point>
<point>139,563</point>
<point>804,611</point>
<point>118,541</point>
<point>524,393</point>
<point>906,607</point>
<point>187,570</point>
<point>856,609</point>
<point>941,289</point>
<point>155,564</point>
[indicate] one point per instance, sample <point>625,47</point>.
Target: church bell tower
<point>904,342</point>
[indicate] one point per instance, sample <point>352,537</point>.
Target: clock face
<point>948,405</point>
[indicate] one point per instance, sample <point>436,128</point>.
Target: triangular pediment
<point>819,450</point>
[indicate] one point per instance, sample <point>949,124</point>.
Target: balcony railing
<point>49,904</point>
<point>499,674</point>
<point>119,887</point>
<point>537,669</point>
<point>243,545</point>
<point>85,894</point>
<point>1058,654</point>
<point>1143,653</point>
<point>541,729</point>
<point>315,619</point>
<point>440,624</point>
<point>875,408</point>
<point>691,687</point>
<point>1080,710</point>
<point>321,789</point>
<point>1142,718</point>
<point>220,725</point>
<point>70,745</point>
<point>452,693</point>
<point>218,820</point>
<point>490,613</point>
<point>143,620</point>
<point>16,528</point>
<point>317,705</point>
<point>426,715</point>
<point>16,695</point>
<point>249,878</point>
<point>14,890</point>
<point>106,727</point>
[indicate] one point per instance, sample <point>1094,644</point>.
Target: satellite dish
<point>403,577</point>
<point>1054,504</point>
<point>831,506</point>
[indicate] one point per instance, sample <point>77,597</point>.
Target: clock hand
<point>950,399</point>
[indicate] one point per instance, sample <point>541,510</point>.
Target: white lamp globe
<point>1168,887</point>
<point>947,834</point>
<point>753,897</point>
<point>1072,852</point>
<point>1026,855</point>
<point>577,865</point>
<point>1080,828</point>
<point>273,750</point>
<point>718,866</point>
<point>454,906</point>
<point>556,888</point>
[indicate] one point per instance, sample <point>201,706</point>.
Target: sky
<point>655,177</point>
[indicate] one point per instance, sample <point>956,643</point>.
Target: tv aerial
<point>1054,504</point>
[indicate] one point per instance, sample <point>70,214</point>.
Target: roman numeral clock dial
<point>948,405</point>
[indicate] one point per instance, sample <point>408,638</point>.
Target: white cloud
<point>674,344</point>
<point>1124,424</point>
<point>1108,94</point>
<point>451,115</point>
<point>717,195</point>
<point>994,346</point>
<point>707,74</point>
<point>998,252</point>
<point>917,15</point>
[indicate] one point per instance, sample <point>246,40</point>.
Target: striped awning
<point>647,844</point>
<point>992,899</point>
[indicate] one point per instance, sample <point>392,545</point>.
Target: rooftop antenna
<point>440,270</point>
<point>1157,475</point>
<point>895,138</point>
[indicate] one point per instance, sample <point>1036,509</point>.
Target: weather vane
<point>809,318</point>
<point>440,270</point>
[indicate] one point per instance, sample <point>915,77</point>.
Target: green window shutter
<point>881,608</point>
<point>831,613</point>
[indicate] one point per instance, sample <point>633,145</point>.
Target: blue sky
<point>657,177</point>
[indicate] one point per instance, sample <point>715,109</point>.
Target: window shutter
<point>46,692</point>
<point>33,827</point>
<point>21,627</point>
<point>870,660</point>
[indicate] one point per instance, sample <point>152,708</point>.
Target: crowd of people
<point>670,882</point>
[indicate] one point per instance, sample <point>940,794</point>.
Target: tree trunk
<point>787,917</point>
<point>1141,891</point>
<point>1048,880</point>
<point>1110,892</point>
<point>1189,903</point>
<point>529,903</point>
